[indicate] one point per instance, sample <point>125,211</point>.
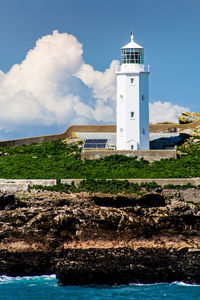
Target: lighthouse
<point>132,99</point>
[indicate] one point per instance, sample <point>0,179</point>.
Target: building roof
<point>132,44</point>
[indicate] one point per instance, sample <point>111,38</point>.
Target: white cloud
<point>102,84</point>
<point>45,88</point>
<point>29,91</point>
<point>165,111</point>
<point>54,87</point>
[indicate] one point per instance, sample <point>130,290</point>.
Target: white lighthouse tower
<point>132,99</point>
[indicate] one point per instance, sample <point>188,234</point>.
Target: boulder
<point>192,131</point>
<point>187,117</point>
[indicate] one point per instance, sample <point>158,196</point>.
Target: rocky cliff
<point>104,239</point>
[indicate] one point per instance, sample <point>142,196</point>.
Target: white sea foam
<point>185,284</point>
<point>147,284</point>
<point>164,283</point>
<point>5,278</point>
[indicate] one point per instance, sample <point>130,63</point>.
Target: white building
<point>132,99</point>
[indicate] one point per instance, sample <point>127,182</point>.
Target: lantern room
<point>132,53</point>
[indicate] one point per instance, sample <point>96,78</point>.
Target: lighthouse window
<point>143,131</point>
<point>132,80</point>
<point>143,97</point>
<point>132,147</point>
<point>132,114</point>
<point>121,98</point>
<point>132,56</point>
<point>121,132</point>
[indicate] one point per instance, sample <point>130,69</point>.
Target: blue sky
<point>168,30</point>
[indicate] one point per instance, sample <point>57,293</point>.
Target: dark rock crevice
<point>145,201</point>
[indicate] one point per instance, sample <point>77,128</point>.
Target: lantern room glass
<point>132,56</point>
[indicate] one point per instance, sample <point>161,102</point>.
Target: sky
<point>58,60</point>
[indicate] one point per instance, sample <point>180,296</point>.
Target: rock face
<point>191,131</point>
<point>102,239</point>
<point>187,117</point>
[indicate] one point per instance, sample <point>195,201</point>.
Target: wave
<point>146,284</point>
<point>185,284</point>
<point>165,283</point>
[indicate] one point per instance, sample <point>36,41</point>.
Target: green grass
<point>59,160</point>
<point>100,185</point>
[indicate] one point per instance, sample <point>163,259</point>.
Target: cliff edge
<point>101,238</point>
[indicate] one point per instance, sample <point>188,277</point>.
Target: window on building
<point>143,131</point>
<point>121,132</point>
<point>132,115</point>
<point>121,98</point>
<point>132,147</point>
<point>132,80</point>
<point>143,97</point>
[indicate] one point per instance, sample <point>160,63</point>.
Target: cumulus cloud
<point>54,87</point>
<point>102,84</point>
<point>29,91</point>
<point>45,88</point>
<point>165,111</point>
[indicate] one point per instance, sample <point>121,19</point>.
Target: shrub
<point>60,160</point>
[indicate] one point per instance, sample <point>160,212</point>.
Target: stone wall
<point>15,185</point>
<point>150,155</point>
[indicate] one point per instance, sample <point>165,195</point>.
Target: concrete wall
<point>16,185</point>
<point>30,182</point>
<point>150,155</point>
<point>64,135</point>
<point>13,187</point>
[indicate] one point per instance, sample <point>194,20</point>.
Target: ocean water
<point>45,287</point>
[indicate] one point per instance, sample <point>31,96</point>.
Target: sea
<point>46,288</point>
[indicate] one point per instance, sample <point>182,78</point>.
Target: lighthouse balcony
<point>132,68</point>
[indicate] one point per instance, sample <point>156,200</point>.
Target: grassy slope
<point>58,160</point>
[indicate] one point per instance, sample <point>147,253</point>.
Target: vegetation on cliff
<point>59,160</point>
<point>101,185</point>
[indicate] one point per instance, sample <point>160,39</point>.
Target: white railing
<point>131,68</point>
